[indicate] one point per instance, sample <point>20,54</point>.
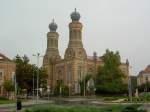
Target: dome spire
<point>53,26</point>
<point>75,16</point>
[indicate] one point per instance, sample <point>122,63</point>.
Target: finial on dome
<point>53,26</point>
<point>75,16</point>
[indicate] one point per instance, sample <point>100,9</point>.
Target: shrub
<point>132,108</point>
<point>61,87</point>
<point>3,98</point>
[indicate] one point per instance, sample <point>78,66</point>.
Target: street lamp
<point>37,94</point>
<point>129,81</point>
<point>33,84</point>
<point>15,84</point>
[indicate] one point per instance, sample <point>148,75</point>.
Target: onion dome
<point>75,16</point>
<point>53,26</point>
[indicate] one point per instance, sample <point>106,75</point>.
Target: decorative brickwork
<point>76,64</point>
<point>7,70</point>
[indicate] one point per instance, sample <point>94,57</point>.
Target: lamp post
<point>129,81</point>
<point>15,83</point>
<point>37,94</point>
<point>33,84</point>
<point>95,70</point>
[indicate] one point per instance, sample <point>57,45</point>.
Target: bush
<point>64,90</point>
<point>132,108</point>
<point>3,98</point>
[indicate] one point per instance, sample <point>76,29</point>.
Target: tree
<point>25,72</point>
<point>61,89</point>
<point>133,83</point>
<point>8,86</point>
<point>110,77</point>
<point>83,83</point>
<point>144,87</point>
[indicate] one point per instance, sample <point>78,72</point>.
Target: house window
<point>79,73</point>
<point>69,74</point>
<point>146,78</point>
<point>60,75</point>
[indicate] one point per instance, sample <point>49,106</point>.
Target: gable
<point>4,58</point>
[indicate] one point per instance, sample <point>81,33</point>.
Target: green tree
<point>83,83</point>
<point>61,89</point>
<point>133,83</point>
<point>110,77</point>
<point>8,86</point>
<point>25,72</point>
<point>144,87</point>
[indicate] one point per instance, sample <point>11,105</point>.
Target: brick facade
<point>76,64</point>
<point>7,69</point>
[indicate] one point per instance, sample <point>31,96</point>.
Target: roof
<point>91,58</point>
<point>147,69</point>
<point>4,58</point>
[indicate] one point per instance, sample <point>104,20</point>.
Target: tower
<point>75,47</point>
<point>75,54</point>
<point>52,52</point>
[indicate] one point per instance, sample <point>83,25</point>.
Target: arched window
<point>60,75</point>
<point>69,74</point>
<point>51,42</point>
<point>79,73</point>
<point>70,33</point>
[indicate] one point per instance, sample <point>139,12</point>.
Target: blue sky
<point>122,25</point>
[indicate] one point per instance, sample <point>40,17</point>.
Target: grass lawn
<point>69,108</point>
<point>10,101</point>
<point>7,101</point>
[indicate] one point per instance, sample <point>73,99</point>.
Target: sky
<point>118,25</point>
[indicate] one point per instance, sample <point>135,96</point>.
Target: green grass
<point>7,101</point>
<point>10,101</point>
<point>69,108</point>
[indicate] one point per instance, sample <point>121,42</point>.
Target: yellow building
<point>76,64</point>
<point>7,70</point>
<point>144,76</point>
